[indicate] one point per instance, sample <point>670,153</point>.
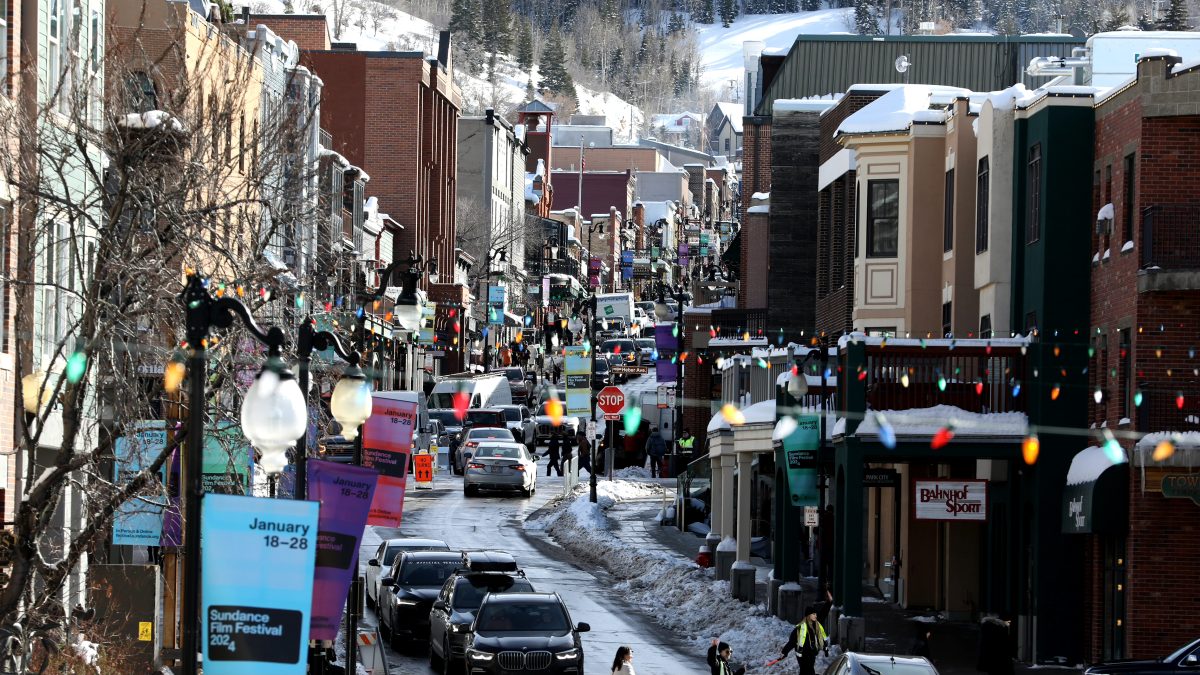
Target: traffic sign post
<point>611,400</point>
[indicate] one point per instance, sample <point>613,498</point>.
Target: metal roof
<point>818,65</point>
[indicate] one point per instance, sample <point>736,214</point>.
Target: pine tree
<point>496,23</point>
<point>704,12</point>
<point>1118,17</point>
<point>555,76</point>
<point>810,5</point>
<point>675,25</point>
<point>524,45</point>
<point>1176,17</point>
<point>464,20</point>
<point>728,12</point>
<point>864,18</point>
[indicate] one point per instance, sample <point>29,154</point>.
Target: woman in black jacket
<point>552,451</point>
<point>718,659</point>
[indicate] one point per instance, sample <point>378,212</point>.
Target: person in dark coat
<point>585,447</point>
<point>808,639</point>
<point>556,370</point>
<point>656,448</point>
<point>718,659</point>
<point>568,448</point>
<point>554,462</point>
<point>920,646</point>
<point>995,646</point>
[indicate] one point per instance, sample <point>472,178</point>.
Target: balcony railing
<point>1173,406</point>
<point>1169,238</point>
<point>975,379</point>
<point>563,266</point>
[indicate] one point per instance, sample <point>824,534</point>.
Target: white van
<point>486,390</point>
<point>421,438</point>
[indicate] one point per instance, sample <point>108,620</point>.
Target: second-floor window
<point>981,206</point>
<point>1130,196</point>
<point>948,214</point>
<point>883,218</point>
<point>1033,195</point>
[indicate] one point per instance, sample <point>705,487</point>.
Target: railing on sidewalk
<point>695,480</point>
<point>570,474</point>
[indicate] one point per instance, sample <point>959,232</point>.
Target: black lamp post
<point>590,306</point>
<point>203,313</point>
<point>308,340</point>
<point>500,254</point>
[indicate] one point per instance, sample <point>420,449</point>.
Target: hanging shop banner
<point>950,499</point>
<point>798,452</point>
<point>497,304</point>
<point>257,559</point>
<point>425,336</point>
<point>139,521</point>
<point>344,493</point>
<point>579,381</point>
<point>227,463</point>
<point>665,339</point>
<point>387,448</point>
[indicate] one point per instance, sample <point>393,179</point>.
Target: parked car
<point>518,383</point>
<point>1186,659</point>
<point>646,349</point>
<point>853,663</point>
<point>501,466</point>
<point>386,554</point>
<point>615,360</point>
<point>524,632</point>
<point>453,612</point>
<point>407,592</point>
<point>473,436</point>
<point>520,422</point>
<point>602,377</point>
<point>545,424</point>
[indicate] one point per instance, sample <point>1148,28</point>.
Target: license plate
<point>495,469</point>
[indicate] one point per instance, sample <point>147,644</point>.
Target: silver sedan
<point>500,466</point>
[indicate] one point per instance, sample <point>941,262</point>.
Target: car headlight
<point>476,655</point>
<point>405,602</point>
<point>569,655</point>
<point>460,627</point>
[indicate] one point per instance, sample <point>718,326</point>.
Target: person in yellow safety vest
<point>807,638</point>
<point>685,443</point>
<point>718,659</point>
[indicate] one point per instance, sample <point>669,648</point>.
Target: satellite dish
<point>902,63</point>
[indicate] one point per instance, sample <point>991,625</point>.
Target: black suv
<point>525,632</point>
<point>408,591</point>
<point>453,612</point>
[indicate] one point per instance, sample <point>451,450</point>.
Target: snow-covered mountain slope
<point>721,48</point>
<point>373,26</point>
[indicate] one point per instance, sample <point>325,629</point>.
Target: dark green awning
<point>1096,497</point>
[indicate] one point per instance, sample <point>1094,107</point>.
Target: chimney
<point>246,15</point>
<point>444,50</point>
<point>489,116</point>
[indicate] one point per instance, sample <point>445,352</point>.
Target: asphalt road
<point>494,521</point>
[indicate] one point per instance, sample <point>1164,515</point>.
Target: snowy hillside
<point>387,29</point>
<point>721,48</point>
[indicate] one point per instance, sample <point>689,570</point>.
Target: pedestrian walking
<point>808,639</point>
<point>995,646</point>
<point>554,462</point>
<point>623,662</point>
<point>568,449</point>
<point>920,646</point>
<point>585,448</point>
<point>718,659</point>
<point>656,448</point>
<point>556,369</point>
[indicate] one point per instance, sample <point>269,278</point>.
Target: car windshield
<point>497,451</point>
<point>512,414</point>
<point>541,617</point>
<point>514,374</point>
<point>1178,653</point>
<point>427,572</point>
<point>469,594</point>
<point>446,417</point>
<point>646,343</point>
<point>483,434</point>
<point>485,418</point>
<point>617,346</point>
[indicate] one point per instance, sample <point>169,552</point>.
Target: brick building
<point>1145,323</point>
<point>308,31</point>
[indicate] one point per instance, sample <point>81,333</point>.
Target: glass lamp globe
<point>273,463</point>
<point>797,385</point>
<point>407,313</point>
<point>351,402</point>
<point>274,414</point>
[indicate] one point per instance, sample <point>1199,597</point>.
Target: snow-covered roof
<point>1018,341</point>
<point>151,119</point>
<point>925,422</point>
<point>762,412</point>
<point>780,105</point>
<point>726,302</point>
<point>718,423</point>
<point>338,158</point>
<point>669,120</point>
<point>655,211</point>
<point>759,208</point>
<point>1006,99</point>
<point>734,112</point>
<point>761,195</point>
<point>1105,212</point>
<point>1090,463</point>
<point>896,110</point>
<point>737,342</point>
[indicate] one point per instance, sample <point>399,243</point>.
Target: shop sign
<point>950,499</point>
<point>1182,486</point>
<point>880,478</point>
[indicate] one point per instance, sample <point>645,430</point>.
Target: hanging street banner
<point>798,452</point>
<point>667,345</point>
<point>257,558</point>
<point>387,448</point>
<point>497,304</point>
<point>139,521</point>
<point>344,493</point>
<point>227,463</point>
<point>425,336</point>
<point>579,381</point>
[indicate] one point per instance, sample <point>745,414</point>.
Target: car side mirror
<point>373,562</point>
<point>582,628</point>
<point>386,581</point>
<point>439,605</point>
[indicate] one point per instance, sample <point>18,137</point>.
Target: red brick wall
<point>308,31</point>
<point>847,106</point>
<point>756,158</point>
<point>755,236</point>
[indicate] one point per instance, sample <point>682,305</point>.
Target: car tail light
<point>519,467</point>
<point>472,444</point>
<point>474,465</point>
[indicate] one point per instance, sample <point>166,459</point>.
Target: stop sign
<point>611,401</point>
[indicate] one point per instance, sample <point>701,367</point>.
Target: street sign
<point>630,370</point>
<point>611,400</point>
<point>591,430</point>
<point>671,398</point>
<point>423,470</point>
<point>811,517</point>
<point>663,396</point>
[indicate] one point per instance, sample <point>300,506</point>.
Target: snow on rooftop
<point>894,111</point>
<point>924,422</point>
<point>1090,463</point>
<point>1018,341</point>
<point>801,105</point>
<point>762,412</point>
<point>761,195</point>
<point>1006,99</point>
<point>737,342</point>
<point>726,302</point>
<point>151,119</point>
<point>759,208</point>
<point>1157,51</point>
<point>1105,212</point>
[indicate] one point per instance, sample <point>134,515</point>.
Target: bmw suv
<point>482,573</point>
<point>525,632</point>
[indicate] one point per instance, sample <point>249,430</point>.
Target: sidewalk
<point>889,628</point>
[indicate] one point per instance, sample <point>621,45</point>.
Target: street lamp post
<point>273,415</point>
<point>501,255</point>
<point>677,294</point>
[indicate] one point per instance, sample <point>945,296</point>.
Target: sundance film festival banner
<point>345,493</point>
<point>800,454</point>
<point>578,374</point>
<point>139,521</point>
<point>387,448</point>
<point>257,559</point>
